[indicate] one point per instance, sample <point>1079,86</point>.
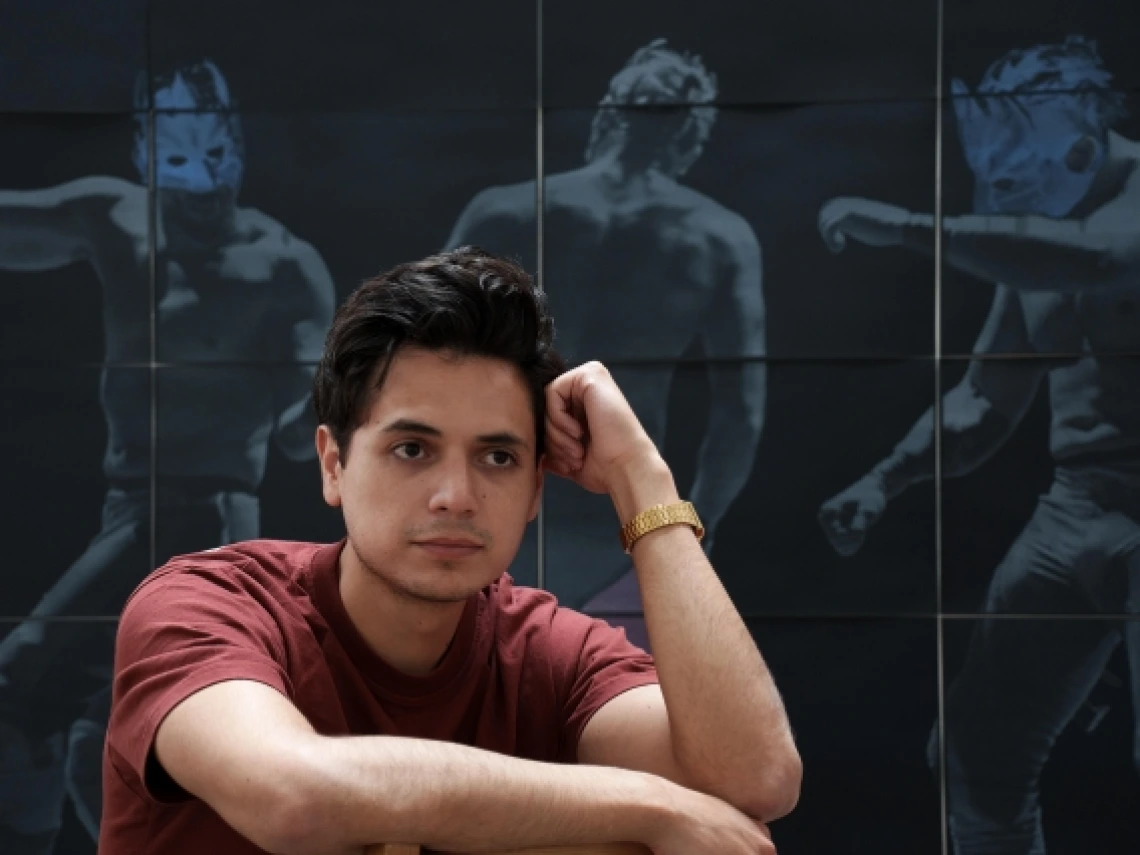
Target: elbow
<point>776,793</point>
<point>291,814</point>
<point>287,822</point>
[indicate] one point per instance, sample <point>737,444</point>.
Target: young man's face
<point>441,478</point>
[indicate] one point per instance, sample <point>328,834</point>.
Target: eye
<point>216,152</point>
<point>409,451</point>
<point>176,160</point>
<point>499,458</point>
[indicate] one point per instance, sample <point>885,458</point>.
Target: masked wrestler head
<point>657,113</point>
<point>1036,131</point>
<point>199,147</point>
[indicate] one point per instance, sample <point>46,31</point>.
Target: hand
<point>592,435</point>
<point>705,825</point>
<point>847,516</point>
<point>872,223</point>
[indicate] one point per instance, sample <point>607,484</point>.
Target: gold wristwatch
<point>657,517</point>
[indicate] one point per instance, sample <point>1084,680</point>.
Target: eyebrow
<point>423,429</point>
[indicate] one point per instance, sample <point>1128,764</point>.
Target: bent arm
<point>979,413</point>
<point>50,228</point>
<point>249,754</point>
<point>1035,253</point>
<point>296,420</point>
<point>735,328</point>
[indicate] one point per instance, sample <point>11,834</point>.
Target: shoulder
<point>724,227</point>
<point>103,187</point>
<point>534,619</point>
<point>506,200</point>
<point>261,573</point>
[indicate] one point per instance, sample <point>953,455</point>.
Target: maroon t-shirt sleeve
<point>601,665</point>
<point>180,633</point>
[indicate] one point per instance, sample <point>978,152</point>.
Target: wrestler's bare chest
<point>220,309</point>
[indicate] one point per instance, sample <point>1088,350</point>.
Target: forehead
<point>461,394</point>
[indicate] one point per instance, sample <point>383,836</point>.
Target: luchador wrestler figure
<point>637,266</point>
<point>1056,227</point>
<point>241,308</point>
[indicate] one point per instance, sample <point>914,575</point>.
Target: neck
<point>616,171</point>
<point>182,239</point>
<point>410,634</point>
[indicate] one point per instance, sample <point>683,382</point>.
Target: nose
<point>455,491</point>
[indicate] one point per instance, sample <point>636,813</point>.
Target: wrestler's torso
<point>221,320</point>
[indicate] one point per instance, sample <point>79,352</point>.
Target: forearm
<point>1031,253</point>
<point>726,456</point>
<point>731,735</point>
<point>365,790</point>
<point>972,430</point>
<point>912,459</point>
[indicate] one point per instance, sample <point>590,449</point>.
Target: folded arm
<point>246,751</point>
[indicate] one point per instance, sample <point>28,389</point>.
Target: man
<point>639,266</point>
<point>233,287</point>
<point>1057,228</point>
<point>397,686</point>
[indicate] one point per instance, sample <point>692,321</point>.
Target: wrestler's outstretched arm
<point>978,415</point>
<point>53,227</point>
<point>1024,252</point>
<point>314,297</point>
<point>735,325</point>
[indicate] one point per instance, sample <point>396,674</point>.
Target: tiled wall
<point>369,129</point>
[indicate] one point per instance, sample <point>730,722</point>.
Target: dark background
<point>368,129</point>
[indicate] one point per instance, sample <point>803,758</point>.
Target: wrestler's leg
<point>84,768</point>
<point>49,666</point>
<point>1131,563</point>
<point>1022,682</point>
<point>186,524</point>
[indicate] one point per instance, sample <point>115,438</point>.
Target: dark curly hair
<point>466,301</point>
<point>659,109</point>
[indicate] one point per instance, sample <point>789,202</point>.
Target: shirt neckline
<point>384,679</point>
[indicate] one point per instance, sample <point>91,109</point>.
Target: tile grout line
<point>940,644</point>
<point>539,238</point>
<point>152,290</point>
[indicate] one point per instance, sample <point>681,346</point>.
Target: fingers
<point>565,452</point>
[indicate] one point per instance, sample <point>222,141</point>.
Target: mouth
<point>449,547</point>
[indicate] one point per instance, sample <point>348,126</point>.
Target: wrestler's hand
<point>847,516</point>
<point>592,435</point>
<point>872,223</point>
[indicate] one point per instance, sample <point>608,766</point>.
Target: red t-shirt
<point>522,676</point>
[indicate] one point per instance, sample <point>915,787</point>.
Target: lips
<point>449,547</point>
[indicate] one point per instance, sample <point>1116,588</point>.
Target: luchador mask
<point>1030,154</point>
<point>1035,132</point>
<point>199,144</point>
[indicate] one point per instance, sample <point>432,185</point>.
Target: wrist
<point>640,483</point>
<point>656,812</point>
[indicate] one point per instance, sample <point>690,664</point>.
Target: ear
<point>536,503</point>
<point>1082,154</point>
<point>328,455</point>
